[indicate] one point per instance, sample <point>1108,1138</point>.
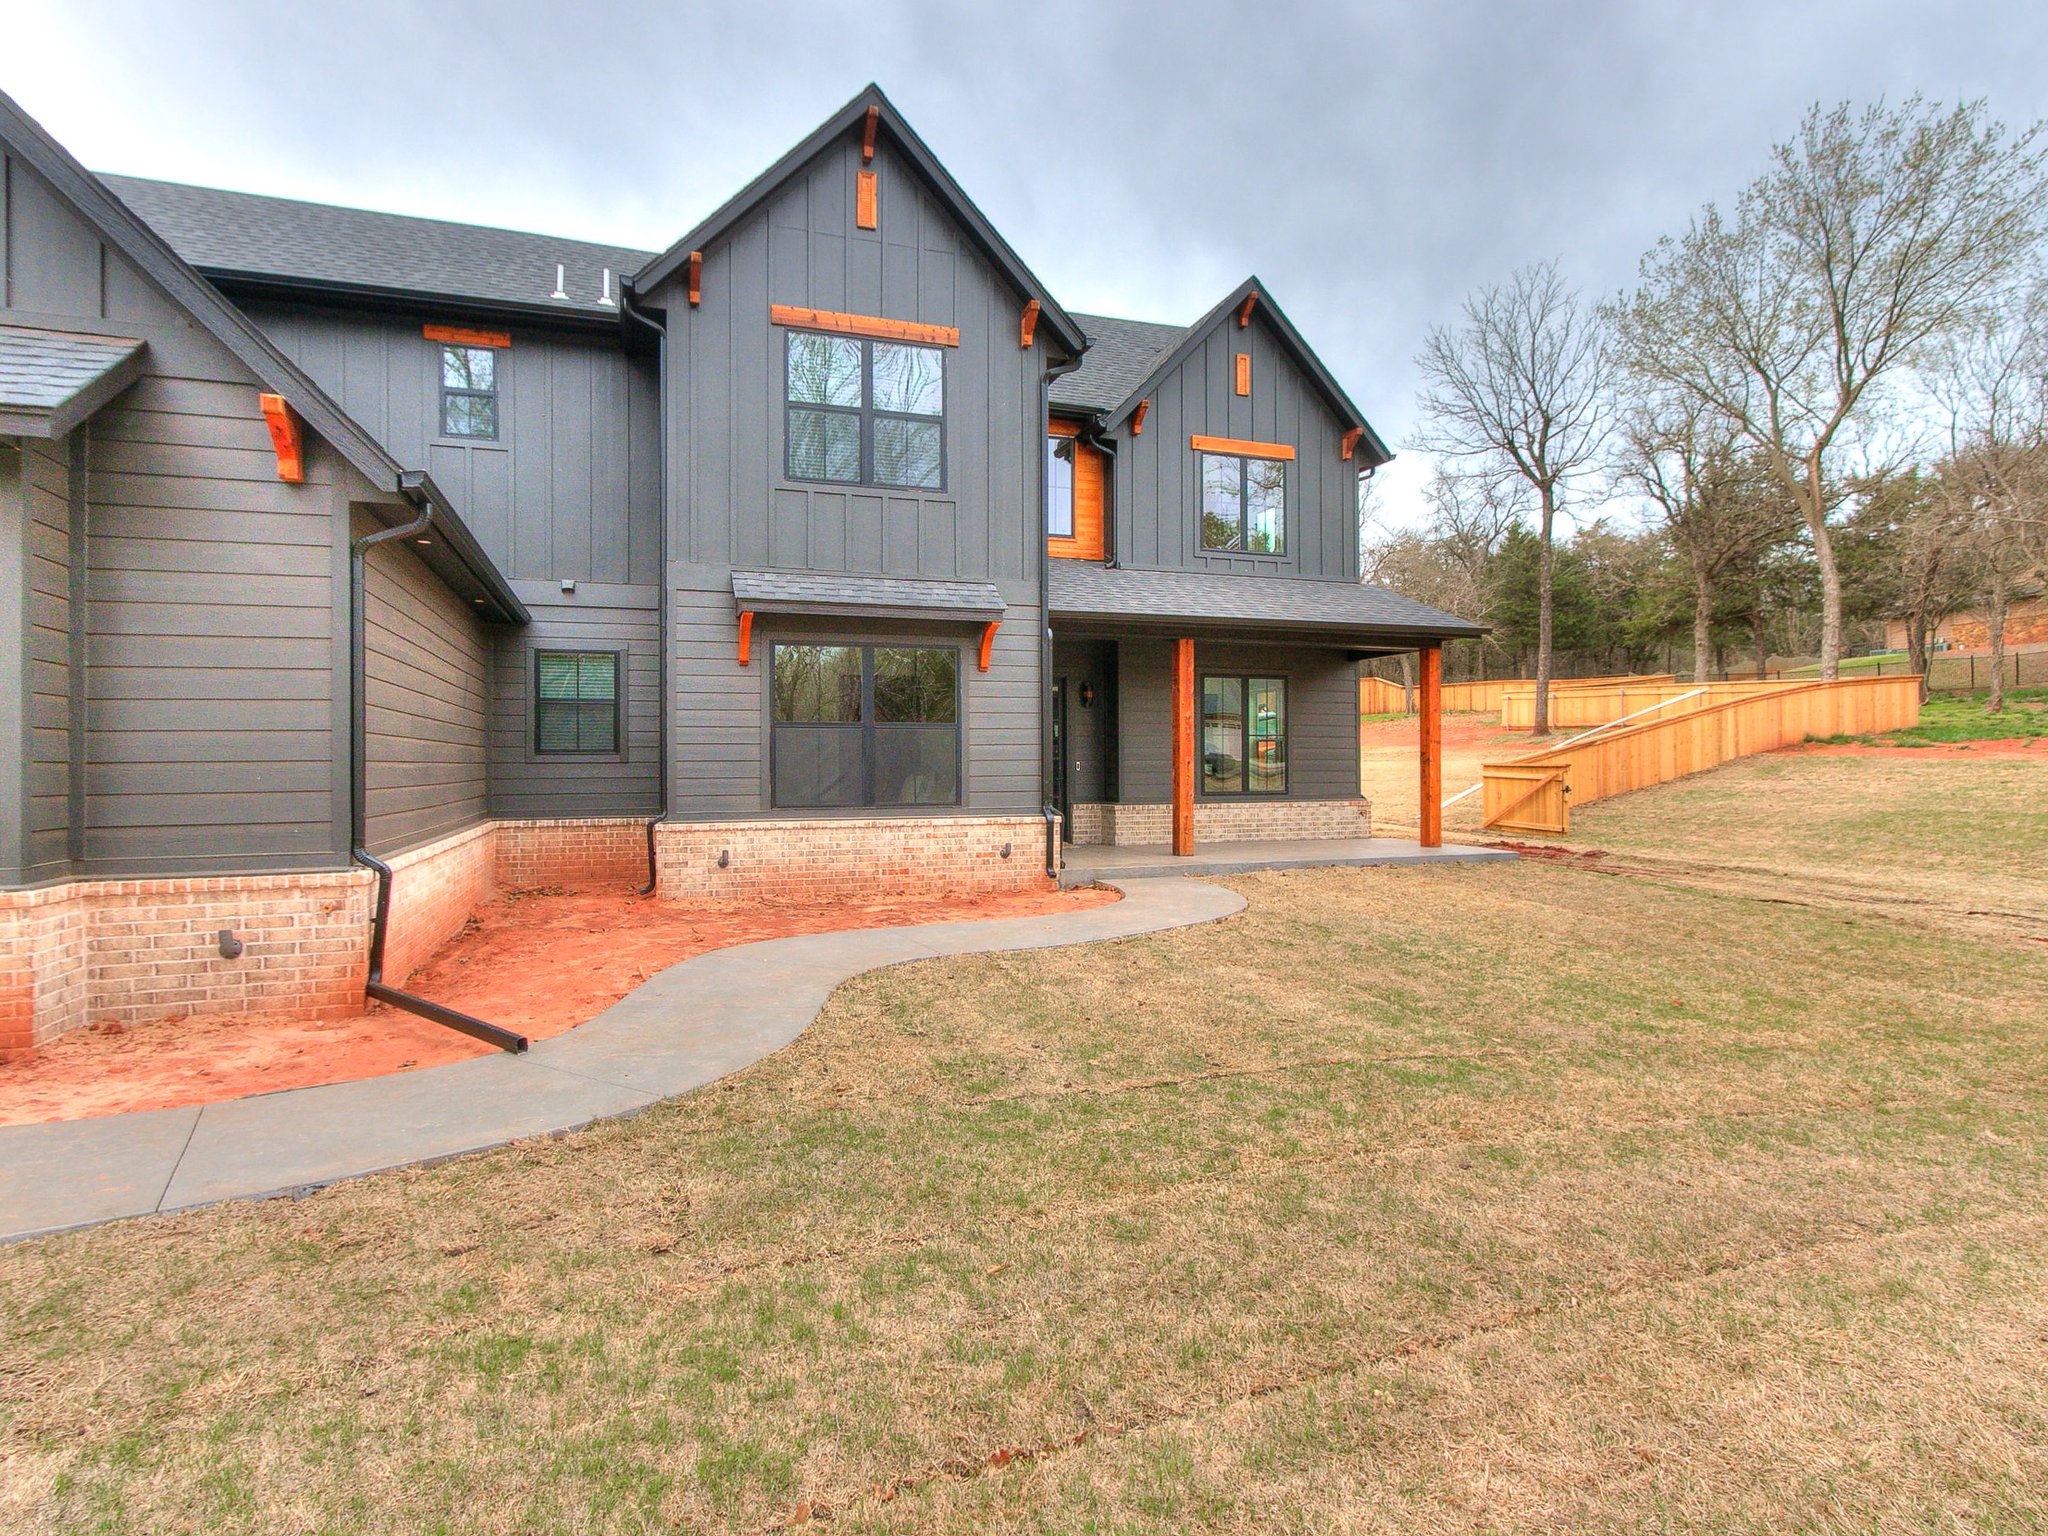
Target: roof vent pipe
<point>604,293</point>
<point>561,274</point>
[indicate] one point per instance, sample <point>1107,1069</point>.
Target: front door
<point>1061,793</point>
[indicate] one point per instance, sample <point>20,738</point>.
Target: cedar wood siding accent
<point>1322,709</point>
<point>1158,476</point>
<point>570,490</point>
<point>427,663</point>
<point>729,505</point>
<point>1090,475</point>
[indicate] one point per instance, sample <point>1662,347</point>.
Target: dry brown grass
<point>1672,1211</point>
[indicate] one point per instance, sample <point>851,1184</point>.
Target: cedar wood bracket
<point>1029,328</point>
<point>696,278</point>
<point>746,636</point>
<point>988,640</point>
<point>1244,310</point>
<point>1138,418</point>
<point>1351,440</point>
<point>285,436</point>
<point>867,134</point>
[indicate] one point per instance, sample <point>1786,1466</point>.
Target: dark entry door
<point>1061,793</point>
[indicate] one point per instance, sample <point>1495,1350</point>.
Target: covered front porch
<point>1215,717</point>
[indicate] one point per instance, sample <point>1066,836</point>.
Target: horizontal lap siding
<point>427,664</point>
<point>1322,708</point>
<point>524,783</point>
<point>211,589</point>
<point>46,483</point>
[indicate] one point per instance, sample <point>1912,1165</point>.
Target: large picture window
<point>1059,487</point>
<point>469,392</point>
<point>575,702</point>
<point>1244,736</point>
<point>865,412</point>
<point>1244,504</point>
<point>864,725</point>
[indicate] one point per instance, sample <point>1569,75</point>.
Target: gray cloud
<point>1372,163</point>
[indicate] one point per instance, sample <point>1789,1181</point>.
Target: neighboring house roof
<point>865,596</point>
<point>50,381</point>
<point>243,237</point>
<point>128,233</point>
<point>1120,354</point>
<point>1376,453</point>
<point>748,198</point>
<point>1089,589</point>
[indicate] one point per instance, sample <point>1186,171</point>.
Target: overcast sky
<point>1371,163</point>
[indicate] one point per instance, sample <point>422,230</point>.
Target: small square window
<point>1244,504</point>
<point>576,702</point>
<point>469,392</point>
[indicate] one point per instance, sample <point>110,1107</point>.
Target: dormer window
<point>1244,504</point>
<point>865,412</point>
<point>469,392</point>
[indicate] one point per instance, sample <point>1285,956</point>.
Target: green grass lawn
<point>1453,1199</point>
<point>1949,718</point>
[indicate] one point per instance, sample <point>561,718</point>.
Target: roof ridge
<point>123,179</point>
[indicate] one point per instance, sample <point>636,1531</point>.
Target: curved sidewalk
<point>701,1019</point>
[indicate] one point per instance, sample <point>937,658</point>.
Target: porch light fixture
<point>1087,695</point>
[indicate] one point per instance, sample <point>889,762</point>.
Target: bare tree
<point>1924,525</point>
<point>1719,512</point>
<point>1518,392</point>
<point>1872,235</point>
<point>1993,381</point>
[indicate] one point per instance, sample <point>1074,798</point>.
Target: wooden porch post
<point>1183,748</point>
<point>1429,703</point>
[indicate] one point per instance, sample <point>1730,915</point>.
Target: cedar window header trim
<point>864,325</point>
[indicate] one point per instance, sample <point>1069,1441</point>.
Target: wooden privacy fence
<point>1578,708</point>
<point>1377,696</point>
<point>1535,793</point>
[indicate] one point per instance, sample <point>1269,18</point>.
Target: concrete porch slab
<point>1086,864</point>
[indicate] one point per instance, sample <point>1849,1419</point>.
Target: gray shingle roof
<point>1088,589</point>
<point>1120,353</point>
<point>240,232</point>
<point>50,380</point>
<point>874,596</point>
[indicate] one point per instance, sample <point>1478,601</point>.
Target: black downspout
<point>630,306</point>
<point>359,801</point>
<point>1045,677</point>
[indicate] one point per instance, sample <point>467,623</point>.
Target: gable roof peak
<point>853,115</point>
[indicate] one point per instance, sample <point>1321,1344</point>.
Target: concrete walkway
<point>1087,865</point>
<point>697,1021</point>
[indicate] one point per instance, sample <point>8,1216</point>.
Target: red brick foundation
<point>816,860</point>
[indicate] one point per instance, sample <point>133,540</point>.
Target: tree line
<point>1821,406</point>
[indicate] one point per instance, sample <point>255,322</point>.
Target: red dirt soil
<point>2005,746</point>
<point>541,962</point>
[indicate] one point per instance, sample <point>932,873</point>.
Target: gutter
<point>629,306</point>
<point>1045,680</point>
<point>359,794</point>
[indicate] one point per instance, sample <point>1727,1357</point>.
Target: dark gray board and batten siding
<point>569,490</point>
<point>1156,505</point>
<point>730,505</point>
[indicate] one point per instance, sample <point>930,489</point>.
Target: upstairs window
<point>469,392</point>
<point>1244,504</point>
<point>865,725</point>
<point>1059,487</point>
<point>576,702</point>
<point>865,412</point>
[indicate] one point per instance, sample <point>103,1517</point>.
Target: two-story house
<point>350,562</point>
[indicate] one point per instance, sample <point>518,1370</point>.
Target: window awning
<point>50,381</point>
<point>866,597</point>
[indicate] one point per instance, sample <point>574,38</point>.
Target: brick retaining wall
<point>861,856</point>
<point>1217,821</point>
